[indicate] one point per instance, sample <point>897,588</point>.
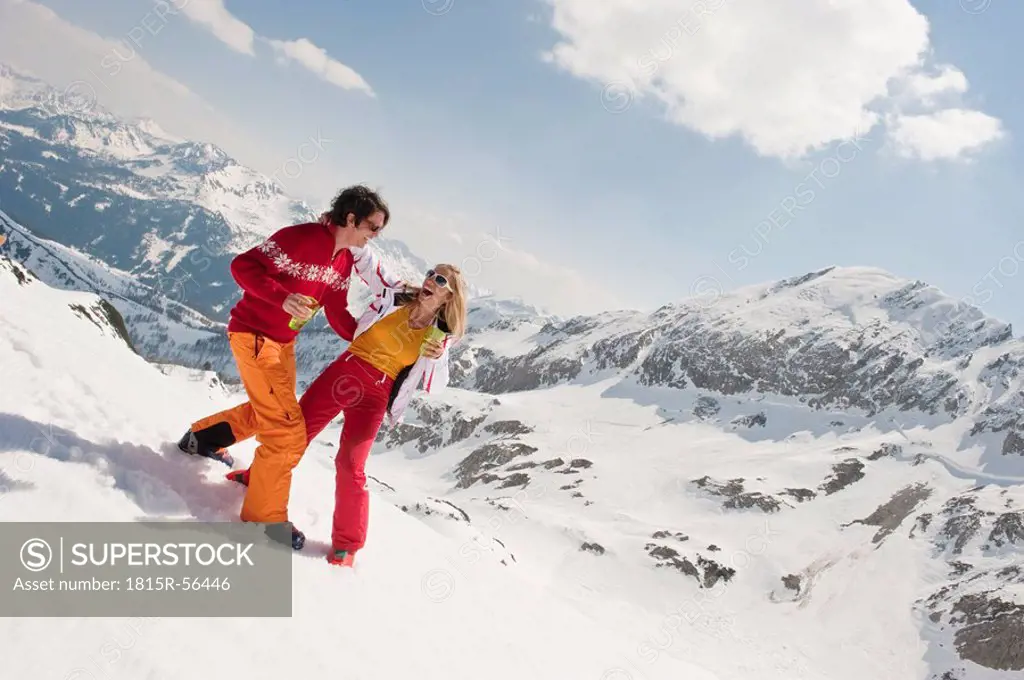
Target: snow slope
<point>85,426</point>
<point>807,556</point>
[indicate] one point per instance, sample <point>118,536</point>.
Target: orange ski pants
<point>273,415</point>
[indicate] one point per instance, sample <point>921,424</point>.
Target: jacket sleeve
<point>255,270</point>
<point>338,316</point>
<point>369,267</point>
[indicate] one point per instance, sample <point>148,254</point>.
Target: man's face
<point>369,228</point>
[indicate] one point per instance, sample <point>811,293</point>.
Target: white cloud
<point>923,87</point>
<point>215,17</point>
<point>943,135</point>
<point>238,35</point>
<point>316,59</point>
<point>789,77</point>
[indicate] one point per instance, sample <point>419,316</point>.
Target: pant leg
<point>233,425</point>
<point>228,427</point>
<point>363,418</point>
<point>331,392</point>
<point>268,372</point>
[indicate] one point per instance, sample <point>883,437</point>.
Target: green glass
<point>433,333</point>
<point>296,324</point>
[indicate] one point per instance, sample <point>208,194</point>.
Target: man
<point>313,260</point>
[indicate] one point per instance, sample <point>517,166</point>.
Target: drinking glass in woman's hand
<point>432,349</point>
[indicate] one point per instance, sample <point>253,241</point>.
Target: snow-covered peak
<point>843,300</point>
<point>20,90</point>
<point>153,129</point>
<point>199,157</point>
<point>101,137</point>
<point>73,116</point>
<point>489,308</point>
<point>865,294</point>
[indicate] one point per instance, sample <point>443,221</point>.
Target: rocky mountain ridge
<point>842,339</point>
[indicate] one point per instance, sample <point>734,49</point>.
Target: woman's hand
<point>432,349</point>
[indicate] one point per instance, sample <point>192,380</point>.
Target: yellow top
<point>390,345</point>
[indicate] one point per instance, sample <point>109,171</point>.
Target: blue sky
<point>471,132</point>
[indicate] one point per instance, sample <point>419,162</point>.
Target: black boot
<point>275,533</point>
<point>191,445</point>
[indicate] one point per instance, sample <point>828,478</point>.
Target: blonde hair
<point>454,310</point>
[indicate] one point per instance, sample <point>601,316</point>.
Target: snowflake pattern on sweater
<point>299,270</point>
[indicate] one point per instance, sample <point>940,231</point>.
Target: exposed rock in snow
<point>736,497</point>
<point>843,475</point>
<point>478,465</point>
<point>890,516</point>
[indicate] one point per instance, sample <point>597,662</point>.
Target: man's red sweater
<point>296,259</point>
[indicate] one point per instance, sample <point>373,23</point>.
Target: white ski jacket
<point>431,374</point>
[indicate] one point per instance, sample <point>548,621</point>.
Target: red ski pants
<point>356,388</point>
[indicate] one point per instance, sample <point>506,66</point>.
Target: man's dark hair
<point>359,200</point>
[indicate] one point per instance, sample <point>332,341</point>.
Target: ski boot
<point>298,539</point>
<point>343,558</point>
<point>192,446</point>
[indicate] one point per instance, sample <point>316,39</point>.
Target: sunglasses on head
<point>439,279</point>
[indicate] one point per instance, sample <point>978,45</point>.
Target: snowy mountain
<point>170,212</point>
<point>835,341</point>
<point>158,327</point>
<point>871,422</point>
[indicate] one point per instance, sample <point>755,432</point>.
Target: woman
<point>375,378</point>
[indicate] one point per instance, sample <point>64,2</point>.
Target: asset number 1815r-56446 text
<point>171,583</point>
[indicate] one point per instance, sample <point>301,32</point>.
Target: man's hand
<point>298,306</point>
<point>432,349</point>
